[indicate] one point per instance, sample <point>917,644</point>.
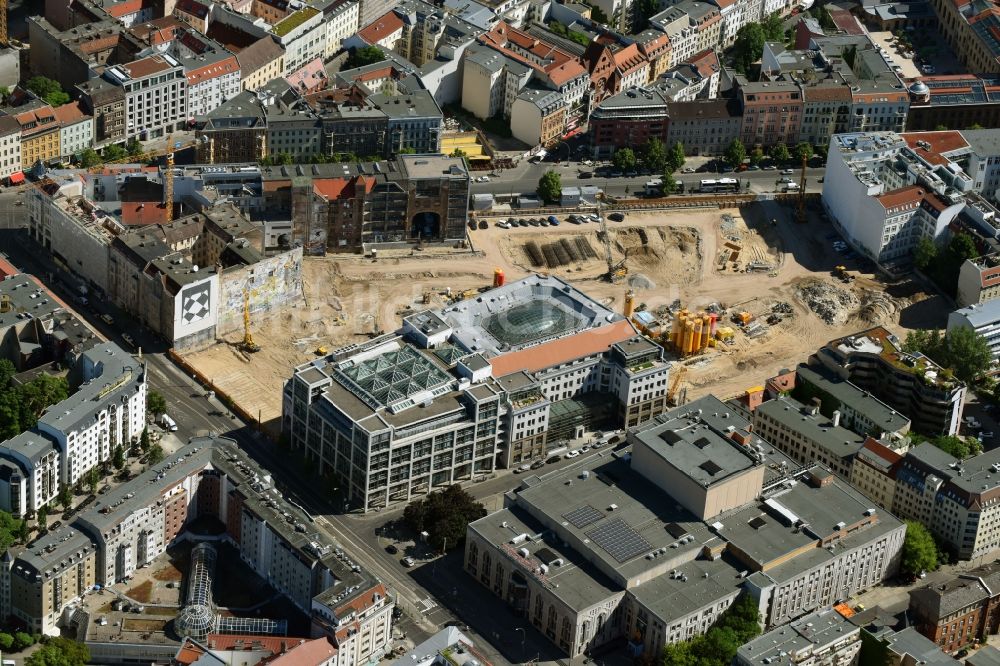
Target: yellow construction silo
<point>696,339</point>
<point>629,304</point>
<point>706,330</point>
<point>679,337</point>
<point>688,337</point>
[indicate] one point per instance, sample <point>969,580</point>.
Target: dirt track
<point>669,256</point>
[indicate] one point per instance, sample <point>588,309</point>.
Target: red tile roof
<point>146,66</point>
<point>310,653</point>
<point>547,354</point>
<point>334,188</point>
<point>67,114</point>
<point>706,62</point>
<point>901,197</point>
<point>216,69</point>
<point>143,213</point>
<point>309,77</point>
<point>381,28</point>
<point>629,59</point>
<point>940,142</point>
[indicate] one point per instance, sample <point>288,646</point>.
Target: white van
<point>168,423</point>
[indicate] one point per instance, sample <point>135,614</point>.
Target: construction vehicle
<point>248,345</point>
<point>322,351</point>
<point>840,272</point>
<point>679,372</point>
<point>742,318</point>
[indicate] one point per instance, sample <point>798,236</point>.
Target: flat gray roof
<point>785,645</point>
<point>836,441</point>
<point>27,297</point>
<point>861,401</point>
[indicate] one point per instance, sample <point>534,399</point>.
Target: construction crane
<point>615,271</point>
<point>800,213</point>
<point>248,345</point>
<point>168,180</point>
<point>3,23</point>
<point>679,372</point>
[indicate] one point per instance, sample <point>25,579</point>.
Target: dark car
<point>534,222</point>
<point>391,549</point>
<point>538,464</point>
<point>586,174</point>
<point>483,224</point>
<point>553,459</point>
<point>616,217</point>
<point>522,222</point>
<point>472,224</point>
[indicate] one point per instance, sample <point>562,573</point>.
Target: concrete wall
<point>274,283</point>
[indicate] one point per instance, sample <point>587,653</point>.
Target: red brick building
<point>960,611</point>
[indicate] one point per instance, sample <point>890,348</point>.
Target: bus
<point>720,185</point>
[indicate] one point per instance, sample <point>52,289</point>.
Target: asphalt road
<point>524,179</point>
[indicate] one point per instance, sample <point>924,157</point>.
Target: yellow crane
<point>248,345</point>
<point>679,372</point>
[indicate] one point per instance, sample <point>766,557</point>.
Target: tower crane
<point>800,213</point>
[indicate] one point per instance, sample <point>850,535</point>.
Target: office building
<point>651,545</point>
<point>481,386</point>
<point>76,129</point>
<point>960,611</point>
<point>156,95</point>
<point>970,30</point>
<point>909,382</point>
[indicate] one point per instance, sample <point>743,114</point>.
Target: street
<point>523,179</point>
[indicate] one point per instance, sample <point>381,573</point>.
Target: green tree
<point>144,440</point>
<point>756,156</point>
<point>550,187</point>
<point>961,350</point>
<point>41,393</point>
<point>803,150</point>
<point>654,155</point>
<point>366,55</point>
<point>134,147</point>
<point>624,159</point>
<point>42,518</point>
<point>114,153</point>
<point>940,128</point>
<point>6,641</point>
<point>89,158</point>
<point>920,553</point>
<point>23,534</point>
<point>925,253</point>
<point>975,126</point>
<point>22,640</point>
<point>155,454</point>
<point>118,458</point>
<point>444,515</point>
<point>408,151</point>
<point>738,624</point>
<point>774,28</point>
<point>779,153</point>
<point>749,46</point>
<point>735,153</point>
<point>826,21</point>
<point>93,478</point>
<point>669,184</point>
<point>598,16</point>
<point>963,247</point>
<point>156,404</point>
<point>65,497</point>
<point>60,652</point>
<point>675,158</point>
<point>48,89</point>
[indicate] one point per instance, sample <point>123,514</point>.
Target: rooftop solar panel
<point>619,540</point>
<point>583,516</point>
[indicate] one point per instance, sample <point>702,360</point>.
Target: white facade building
<point>982,318</point>
<point>10,146</point>
<point>156,95</point>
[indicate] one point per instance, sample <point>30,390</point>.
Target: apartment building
<point>76,129</point>
<point>772,112</point>
<point>234,131</point>
<point>209,477</point>
<point>302,34</point>
<point>978,280</point>
<point>886,191</point>
<point>960,611</point>
<point>704,127</point>
<point>538,117</point>
<point>106,103</point>
<point>491,82</point>
<point>910,383</point>
<point>106,411</point>
<point>719,518</point>
<point>10,147</point>
<point>822,637</point>
<point>72,55</point>
<point>630,119</point>
<point>680,30</point>
<point>874,472</point>
<point>983,319</point>
<point>156,95</point>
<point>261,62</point>
<point>40,132</point>
<point>459,420</point>
<point>213,73</point>
<point>806,436</point>
<point>656,48</point>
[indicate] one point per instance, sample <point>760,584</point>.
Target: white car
<point>128,339</point>
<point>573,454</point>
<point>595,218</point>
<point>503,225</point>
<point>484,179</point>
<point>522,468</point>
<point>986,435</point>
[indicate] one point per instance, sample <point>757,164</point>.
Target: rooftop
<point>839,443</point>
<point>869,407</point>
<point>790,643</point>
<point>27,300</point>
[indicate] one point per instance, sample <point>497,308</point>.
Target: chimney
<point>814,405</point>
<point>836,418</point>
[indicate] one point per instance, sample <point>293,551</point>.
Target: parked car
<point>538,464</point>
<point>108,319</point>
<point>503,225</point>
<point>687,170</point>
<point>616,217</point>
<point>483,224</point>
<point>128,339</point>
<point>408,561</point>
<point>523,468</point>
<point>788,171</point>
<point>391,549</point>
<point>573,454</point>
<point>553,219</point>
<point>769,167</point>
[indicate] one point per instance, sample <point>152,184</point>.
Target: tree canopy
<point>920,553</point>
<point>89,158</point>
<point>774,28</point>
<point>156,404</point>
<point>756,155</point>
<point>444,515</point>
<point>22,404</point>
<point>48,89</point>
<point>803,150</point>
<point>737,625</point>
<point>749,46</point>
<point>59,652</point>
<point>654,155</point>
<point>366,55</point>
<point>155,454</point>
<point>675,158</point>
<point>943,265</point>
<point>779,153</point>
<point>624,159</point>
<point>735,153</point>
<point>962,350</point>
<point>550,187</point>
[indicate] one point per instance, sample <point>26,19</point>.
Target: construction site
<point>761,291</point>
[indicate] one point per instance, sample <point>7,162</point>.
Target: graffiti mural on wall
<point>274,282</point>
